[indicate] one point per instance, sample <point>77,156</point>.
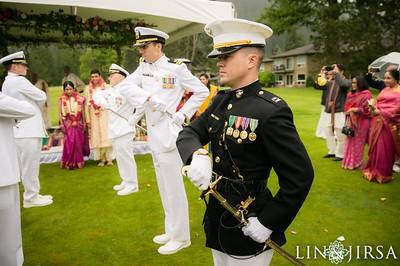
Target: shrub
<point>267,79</point>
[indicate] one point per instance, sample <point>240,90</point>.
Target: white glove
<point>200,171</point>
<point>178,118</point>
<point>158,104</point>
<point>256,230</point>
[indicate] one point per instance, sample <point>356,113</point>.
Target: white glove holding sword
<point>199,172</point>
<point>200,169</point>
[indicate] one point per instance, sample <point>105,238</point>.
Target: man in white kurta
<point>120,131</point>
<point>10,218</point>
<point>28,133</point>
<point>168,81</point>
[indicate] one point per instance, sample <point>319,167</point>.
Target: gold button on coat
<point>229,106</point>
<point>217,159</point>
<point>261,92</point>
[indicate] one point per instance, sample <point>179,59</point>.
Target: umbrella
<point>380,65</point>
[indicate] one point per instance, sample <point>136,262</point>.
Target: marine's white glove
<point>200,171</point>
<point>158,104</point>
<point>256,230</point>
<point>178,118</point>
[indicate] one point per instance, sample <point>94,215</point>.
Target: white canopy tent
<point>179,18</point>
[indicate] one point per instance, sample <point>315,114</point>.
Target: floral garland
<point>94,30</point>
<point>92,90</point>
<point>71,105</point>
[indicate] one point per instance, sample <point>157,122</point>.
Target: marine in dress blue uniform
<point>251,132</point>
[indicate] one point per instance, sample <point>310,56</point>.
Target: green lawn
<point>89,225</point>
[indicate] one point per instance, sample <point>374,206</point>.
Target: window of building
<point>301,79</point>
<point>279,80</point>
<point>277,65</point>
<point>289,63</point>
<point>301,61</point>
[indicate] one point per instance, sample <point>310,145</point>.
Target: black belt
<point>239,186</point>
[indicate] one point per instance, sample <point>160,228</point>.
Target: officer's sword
<point>119,115</point>
<point>240,214</point>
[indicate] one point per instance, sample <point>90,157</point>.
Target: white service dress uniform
<point>28,133</point>
<point>10,219</point>
<point>120,132</point>
<point>168,81</point>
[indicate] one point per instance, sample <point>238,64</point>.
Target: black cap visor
<point>228,50</point>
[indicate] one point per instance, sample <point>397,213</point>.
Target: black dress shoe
<point>337,159</point>
<point>329,155</point>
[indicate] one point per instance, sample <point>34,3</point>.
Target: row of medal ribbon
<point>169,81</point>
<point>237,122</point>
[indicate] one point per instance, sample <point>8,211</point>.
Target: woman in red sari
<point>384,139</point>
<point>71,108</point>
<point>358,117</point>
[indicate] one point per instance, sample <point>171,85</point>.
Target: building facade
<point>293,67</point>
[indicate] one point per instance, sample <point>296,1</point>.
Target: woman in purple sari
<point>358,117</point>
<point>71,108</point>
<point>384,139</point>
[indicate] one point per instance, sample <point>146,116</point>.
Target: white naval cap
<point>145,35</point>
<point>16,58</point>
<point>229,35</point>
<point>114,68</point>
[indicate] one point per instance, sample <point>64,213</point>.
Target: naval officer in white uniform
<point>28,133</point>
<point>120,131</point>
<point>10,219</point>
<point>168,81</point>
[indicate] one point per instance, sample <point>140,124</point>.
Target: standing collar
<point>160,60</point>
<point>249,90</point>
<point>12,74</point>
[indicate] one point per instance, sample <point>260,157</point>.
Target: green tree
<point>293,40</point>
<point>267,79</point>
<point>195,48</point>
<point>352,32</point>
<point>100,58</point>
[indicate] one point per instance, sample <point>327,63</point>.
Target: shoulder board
<point>268,96</point>
<point>178,62</point>
<point>223,91</point>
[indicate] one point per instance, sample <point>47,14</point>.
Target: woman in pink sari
<point>384,139</point>
<point>358,117</point>
<point>71,108</point>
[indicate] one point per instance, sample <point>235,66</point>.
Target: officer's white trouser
<point>123,148</point>
<point>222,259</point>
<point>29,155</point>
<point>334,140</point>
<point>10,227</point>
<point>322,123</point>
<point>173,196</point>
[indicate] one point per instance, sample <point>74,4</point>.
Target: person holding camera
<point>320,84</point>
<point>357,123</point>
<point>337,89</point>
<point>372,81</point>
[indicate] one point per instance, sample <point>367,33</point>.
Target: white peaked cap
<point>114,68</point>
<point>145,35</point>
<point>17,58</point>
<point>229,35</point>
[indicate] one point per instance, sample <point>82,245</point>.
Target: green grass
<point>89,225</point>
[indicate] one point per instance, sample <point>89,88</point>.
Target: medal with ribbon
<point>238,122</point>
<point>253,126</point>
<point>229,130</point>
<point>245,124</point>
